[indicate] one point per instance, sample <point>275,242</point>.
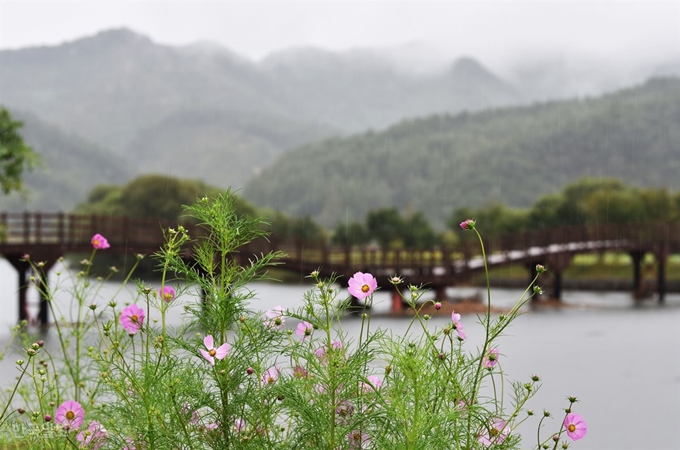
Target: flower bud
<point>438,306</point>
<point>540,268</point>
<point>21,410</point>
<point>426,317</point>
<point>468,224</point>
<point>535,378</point>
<point>20,362</point>
<point>48,418</point>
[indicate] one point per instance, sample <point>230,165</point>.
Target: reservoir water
<point>620,358</point>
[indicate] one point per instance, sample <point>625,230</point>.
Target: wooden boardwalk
<point>48,236</point>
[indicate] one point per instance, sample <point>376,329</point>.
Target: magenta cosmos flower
<point>361,285</point>
<point>211,353</point>
<point>358,440</point>
<point>132,318</point>
<point>495,434</point>
<point>99,242</point>
<point>468,224</point>
<point>374,383</point>
<point>69,414</point>
<point>304,329</point>
<point>270,376</point>
<point>167,293</point>
<point>275,317</point>
<point>457,325</point>
<point>575,426</point>
<point>95,437</point>
<point>491,358</point>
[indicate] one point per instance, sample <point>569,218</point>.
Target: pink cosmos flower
<point>457,325</point>
<point>374,383</point>
<point>167,293</point>
<point>211,353</point>
<point>132,318</point>
<point>299,372</point>
<point>95,437</point>
<point>575,426</point>
<point>275,317</point>
<point>468,224</point>
<point>69,414</point>
<point>321,352</point>
<point>99,242</point>
<point>497,433</point>
<point>270,376</point>
<point>491,358</point>
<point>210,426</point>
<point>239,425</point>
<point>358,440</point>
<point>129,444</point>
<point>187,411</point>
<point>304,329</point>
<point>361,285</point>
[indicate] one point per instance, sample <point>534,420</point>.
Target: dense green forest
<point>511,156</point>
<point>583,202</point>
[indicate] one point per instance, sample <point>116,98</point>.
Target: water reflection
<point>619,357</point>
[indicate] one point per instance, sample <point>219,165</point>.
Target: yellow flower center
<point>96,242</point>
<point>70,415</point>
<point>270,380</point>
<point>572,427</point>
<point>365,288</point>
<point>493,432</point>
<point>212,352</point>
<point>134,318</point>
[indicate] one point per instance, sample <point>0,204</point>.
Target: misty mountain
<point>203,111</point>
<point>511,155</point>
<point>70,167</point>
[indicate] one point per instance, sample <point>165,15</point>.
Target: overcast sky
<point>494,31</point>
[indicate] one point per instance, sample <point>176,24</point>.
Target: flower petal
<point>209,342</point>
<point>222,351</point>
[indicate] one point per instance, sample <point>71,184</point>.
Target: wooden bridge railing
<point>73,230</point>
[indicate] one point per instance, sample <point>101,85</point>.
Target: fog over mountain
<point>205,111</point>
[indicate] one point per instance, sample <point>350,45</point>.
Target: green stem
<point>16,386</point>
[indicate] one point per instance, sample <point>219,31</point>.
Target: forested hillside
<point>202,111</point>
<point>70,166</point>
<point>512,155</point>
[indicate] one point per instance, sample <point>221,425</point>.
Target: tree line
<point>584,202</point>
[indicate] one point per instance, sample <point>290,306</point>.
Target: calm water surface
<point>620,359</point>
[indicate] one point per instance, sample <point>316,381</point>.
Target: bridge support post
<point>397,302</point>
<point>440,293</point>
<point>22,267</point>
<point>556,265</point>
<point>661,255</point>
<point>638,288</point>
